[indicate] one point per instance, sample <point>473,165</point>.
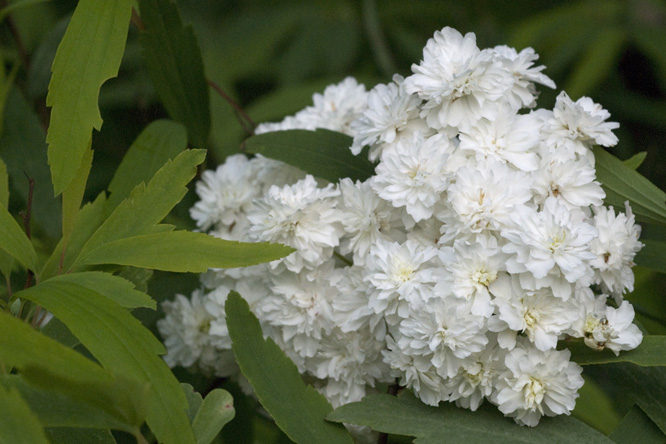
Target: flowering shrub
<point>479,242</point>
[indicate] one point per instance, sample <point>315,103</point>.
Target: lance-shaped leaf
<point>14,241</point>
<point>184,251</point>
<point>17,422</point>
<point>72,196</point>
<point>651,353</point>
<point>298,410</point>
<point>121,344</point>
<point>148,204</point>
<point>175,66</point>
<point>621,183</point>
<point>322,153</point>
<point>637,427</point>
<point>88,55</point>
<point>406,415</point>
<point>159,142</point>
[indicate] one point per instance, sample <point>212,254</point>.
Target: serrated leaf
<point>159,142</point>
<point>113,287</point>
<point>80,436</point>
<point>184,251</point>
<point>406,415</point>
<point>651,352</point>
<point>621,183</point>
<point>298,410</point>
<point>17,422</point>
<point>598,60</point>
<point>216,410</point>
<point>174,63</point>
<point>72,196</point>
<point>322,153</point>
<point>636,160</point>
<point>14,241</point>
<point>637,427</point>
<point>148,204</point>
<point>194,400</point>
<point>23,149</point>
<point>652,255</point>
<point>88,55</point>
<point>121,344</point>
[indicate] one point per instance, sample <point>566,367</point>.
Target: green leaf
<point>17,423</point>
<point>23,149</point>
<point>651,352</point>
<point>595,408</point>
<point>322,153</point>
<point>194,400</point>
<point>14,241</point>
<point>16,6</point>
<point>88,55</point>
<point>148,204</point>
<point>621,183</point>
<point>652,255</point>
<point>4,185</point>
<point>159,142</point>
<point>175,66</point>
<point>598,60</point>
<point>216,410</point>
<point>113,287</point>
<point>184,251</point>
<point>72,196</point>
<point>121,344</point>
<point>636,160</point>
<point>406,415</point>
<point>298,410</point>
<point>637,427</point>
<point>80,436</point>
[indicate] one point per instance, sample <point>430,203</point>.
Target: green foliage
<point>215,411</point>
<point>174,62</point>
<point>637,427</point>
<point>322,153</point>
<point>88,55</point>
<point>298,410</point>
<point>14,242</point>
<point>406,415</point>
<point>652,255</point>
<point>651,352</point>
<point>17,422</point>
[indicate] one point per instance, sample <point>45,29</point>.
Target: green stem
<point>343,259</point>
<point>377,40</point>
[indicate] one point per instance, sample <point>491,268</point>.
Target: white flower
<point>523,93</point>
<point>537,383</point>
<point>615,248</point>
<point>411,174</point>
<point>390,111</point>
<point>549,238</point>
<point>476,376</point>
<point>459,83</point>
<point>572,182</point>
<point>302,216</point>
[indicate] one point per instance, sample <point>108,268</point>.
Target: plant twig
<point>136,20</point>
<point>243,118</point>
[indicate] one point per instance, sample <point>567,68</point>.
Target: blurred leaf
<point>649,39</point>
<point>646,386</point>
<point>18,424</point>
<point>651,352</point>
<point>194,400</point>
<point>55,329</point>
<point>636,160</point>
<point>184,251</point>
<point>216,410</point>
<point>298,410</point>
<point>6,260</point>
<point>113,287</point>
<point>595,408</point>
<point>138,276</point>
<point>23,149</point>
<point>18,5</point>
<point>122,345</point>
<point>175,65</point>
<point>322,153</point>
<point>88,55</point>
<point>72,196</point>
<point>406,415</point>
<point>148,204</point>
<point>14,241</point>
<point>637,427</point>
<point>597,61</point>
<point>159,142</point>
<point>6,82</point>
<point>80,436</point>
<point>621,183</point>
<point>122,399</point>
<point>41,60</point>
<point>652,255</point>
<point>90,217</point>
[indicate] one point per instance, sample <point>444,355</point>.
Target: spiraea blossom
<point>479,242</point>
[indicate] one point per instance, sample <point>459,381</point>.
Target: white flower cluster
<point>478,244</point>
